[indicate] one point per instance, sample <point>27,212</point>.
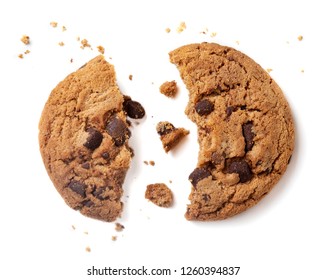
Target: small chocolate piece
<point>241,167</point>
<point>133,109</point>
<point>99,193</point>
<point>204,107</point>
<point>87,203</point>
<point>198,174</point>
<point>94,139</point>
<point>86,165</point>
<point>105,155</point>
<point>248,135</point>
<point>164,128</point>
<point>230,110</point>
<point>78,187</point>
<point>118,130</point>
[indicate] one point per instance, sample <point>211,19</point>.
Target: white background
<point>283,237</point>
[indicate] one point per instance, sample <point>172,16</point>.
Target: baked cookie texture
<point>245,129</point>
<point>83,137</point>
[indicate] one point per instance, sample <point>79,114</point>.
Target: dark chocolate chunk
<point>133,109</point>
<point>204,107</point>
<point>241,167</point>
<point>78,187</point>
<point>99,193</point>
<point>94,139</point>
<point>87,203</point>
<point>105,155</point>
<point>164,128</point>
<point>248,135</point>
<point>86,165</point>
<point>206,197</point>
<point>197,175</point>
<point>230,110</point>
<point>118,130</point>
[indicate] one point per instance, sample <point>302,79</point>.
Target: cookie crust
<point>245,129</point>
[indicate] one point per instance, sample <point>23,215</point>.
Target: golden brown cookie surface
<point>245,129</point>
<point>83,138</point>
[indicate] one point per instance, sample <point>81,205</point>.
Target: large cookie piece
<point>245,129</point>
<point>83,138</point>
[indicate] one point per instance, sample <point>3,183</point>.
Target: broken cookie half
<point>245,129</point>
<point>83,137</point>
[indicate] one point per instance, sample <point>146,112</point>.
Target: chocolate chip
<point>86,165</point>
<point>87,203</point>
<point>118,130</point>
<point>133,109</point>
<point>99,193</point>
<point>105,155</point>
<point>197,175</point>
<point>78,187</point>
<point>230,110</point>
<point>204,107</point>
<point>241,167</point>
<point>248,135</point>
<point>206,197</point>
<point>164,128</point>
<point>94,139</point>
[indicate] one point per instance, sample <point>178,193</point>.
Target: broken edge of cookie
<point>83,136</point>
<point>240,159</point>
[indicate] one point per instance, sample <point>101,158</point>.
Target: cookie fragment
<point>159,194</point>
<point>169,135</point>
<point>83,137</point>
<point>25,39</point>
<point>245,129</point>
<point>169,89</point>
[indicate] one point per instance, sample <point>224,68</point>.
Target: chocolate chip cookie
<point>245,129</point>
<point>83,138</point>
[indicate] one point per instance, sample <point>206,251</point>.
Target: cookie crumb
<point>63,28</point>
<point>130,77</point>
<point>71,60</point>
<point>73,227</point>
<point>269,70</point>
<point>169,89</point>
<point>152,162</point>
<point>114,238</point>
<point>25,39</point>
<point>167,30</point>
<point>61,44</point>
<point>27,52</point>
<point>85,44</point>
<point>213,34</point>
<point>146,162</point>
<point>88,249</point>
<point>300,38</point>
<point>169,135</point>
<point>119,227</point>
<point>21,56</point>
<point>54,24</point>
<point>78,38</point>
<point>101,49</point>
<point>205,31</point>
<point>159,194</point>
<point>181,27</point>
